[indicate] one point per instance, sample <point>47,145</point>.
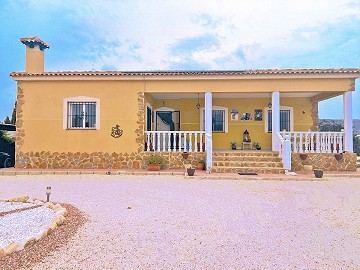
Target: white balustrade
<point>175,141</point>
<point>285,150</point>
<point>315,142</point>
<point>308,142</point>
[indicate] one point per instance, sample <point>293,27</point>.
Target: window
<point>219,119</point>
<point>81,113</point>
<point>286,119</point>
<point>148,118</point>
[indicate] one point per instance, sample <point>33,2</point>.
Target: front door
<point>167,121</point>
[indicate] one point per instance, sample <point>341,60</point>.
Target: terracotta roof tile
<point>348,71</point>
<point>34,39</point>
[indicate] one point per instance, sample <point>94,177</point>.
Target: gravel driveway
<point>163,222</point>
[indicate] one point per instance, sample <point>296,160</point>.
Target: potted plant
<point>154,162</point>
<point>185,154</point>
<point>257,146</point>
<point>338,156</point>
<point>201,164</point>
<point>318,173</point>
<point>233,145</point>
<point>308,168</point>
<point>189,169</point>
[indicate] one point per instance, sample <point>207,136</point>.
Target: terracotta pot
<point>200,166</point>
<point>185,155</point>
<point>338,156</point>
<point>308,169</point>
<point>190,171</point>
<point>154,167</point>
<point>303,156</point>
<point>318,173</point>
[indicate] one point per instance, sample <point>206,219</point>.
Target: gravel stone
<point>20,226</point>
<point>177,223</point>
<point>9,206</point>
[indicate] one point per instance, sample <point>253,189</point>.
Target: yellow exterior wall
<point>43,110</point>
<point>43,116</point>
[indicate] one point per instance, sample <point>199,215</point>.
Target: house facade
<point>116,119</point>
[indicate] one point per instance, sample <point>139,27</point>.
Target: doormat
<point>247,173</point>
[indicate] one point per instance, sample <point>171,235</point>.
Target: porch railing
<point>316,142</point>
<point>175,141</point>
<point>308,142</point>
<point>285,149</point>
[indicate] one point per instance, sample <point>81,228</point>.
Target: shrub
<point>155,159</point>
<point>5,137</point>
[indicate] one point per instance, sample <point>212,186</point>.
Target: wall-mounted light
<point>198,103</point>
<point>270,104</point>
<point>48,192</point>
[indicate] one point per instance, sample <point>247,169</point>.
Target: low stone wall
<point>100,160</point>
<point>324,161</point>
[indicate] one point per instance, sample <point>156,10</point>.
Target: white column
<point>208,130</point>
<point>348,119</point>
<point>275,101</point>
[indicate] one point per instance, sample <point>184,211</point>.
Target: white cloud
<point>260,28</point>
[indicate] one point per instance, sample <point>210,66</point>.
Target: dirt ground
<point>168,222</point>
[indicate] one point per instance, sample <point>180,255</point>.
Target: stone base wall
<point>326,162</point>
<point>100,160</point>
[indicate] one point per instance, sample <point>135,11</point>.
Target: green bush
<point>5,137</point>
<point>357,145</point>
<point>155,159</point>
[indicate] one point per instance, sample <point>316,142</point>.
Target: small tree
<point>357,145</point>
<point>7,120</point>
<point>13,116</point>
<point>330,125</point>
<point>6,138</point>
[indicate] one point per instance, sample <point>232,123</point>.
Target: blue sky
<point>182,34</point>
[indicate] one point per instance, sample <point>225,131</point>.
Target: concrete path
<point>169,222</point>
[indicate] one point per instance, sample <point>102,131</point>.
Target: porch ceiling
<point>230,95</point>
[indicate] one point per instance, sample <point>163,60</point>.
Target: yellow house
<point>116,119</point>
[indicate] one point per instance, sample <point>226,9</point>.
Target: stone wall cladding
<point>140,137</point>
<point>315,116</point>
<point>101,160</point>
<point>20,132</point>
<point>324,161</point>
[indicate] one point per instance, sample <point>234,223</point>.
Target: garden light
<point>48,192</point>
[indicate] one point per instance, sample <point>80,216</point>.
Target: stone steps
<point>247,162</point>
<point>269,170</point>
<point>245,153</point>
<point>247,159</point>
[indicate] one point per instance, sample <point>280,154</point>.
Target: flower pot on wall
<point>303,156</point>
<point>185,155</point>
<point>338,156</point>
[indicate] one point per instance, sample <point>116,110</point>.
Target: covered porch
<point>281,122</point>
